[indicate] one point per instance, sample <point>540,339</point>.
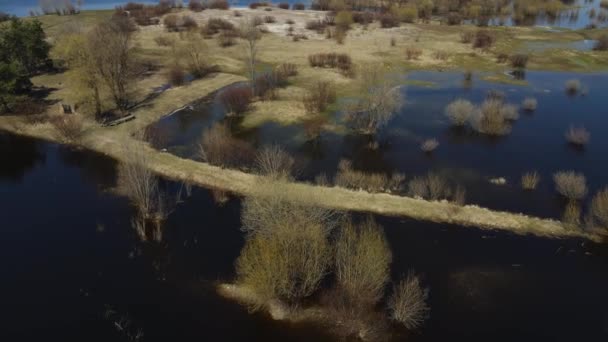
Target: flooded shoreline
<point>483,284</point>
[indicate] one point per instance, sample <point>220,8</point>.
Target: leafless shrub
<point>283,5</point>
<point>441,55</point>
<point>598,212</point>
<point>288,69</point>
<point>412,53</point>
<point>570,184</point>
<point>69,126</point>
<point>388,20</point>
<point>572,214</point>
<point>215,25</point>
<point>332,60</point>
<point>496,95</point>
<point>236,99</point>
<point>363,18</point>
<point>363,259</point>
<point>602,43</point>
<point>493,118</point>
<point>529,104</point>
<point>396,182</point>
<point>393,42</point>
<point>340,36</point>
<point>530,180</point>
<point>573,86</point>
<point>298,7</point>
<point>237,14</point>
<point>519,60</point>
<point>219,4</point>
<point>429,145</point>
<point>460,196</point>
<point>408,303</point>
<point>164,41</point>
<point>316,25</point>
<point>578,136</point>
<point>459,111</point>
<point>483,39</point>
<point>196,5</point>
<point>356,180</point>
<point>218,147</point>
<point>274,162</point>
<point>467,37</point>
<point>176,76</point>
<point>319,97</point>
<point>270,19</point>
<point>432,187</point>
<point>225,40</point>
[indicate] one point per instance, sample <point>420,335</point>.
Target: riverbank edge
<point>242,183</point>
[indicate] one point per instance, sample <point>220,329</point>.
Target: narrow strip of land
<point>111,141</point>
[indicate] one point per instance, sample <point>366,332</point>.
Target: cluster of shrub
<point>237,99</point>
<point>297,254</point>
<point>340,61</point>
<point>283,5</point>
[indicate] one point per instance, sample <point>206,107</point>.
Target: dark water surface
<point>73,267</point>
<point>536,142</point>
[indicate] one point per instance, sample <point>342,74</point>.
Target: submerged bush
<point>429,145</point>
<point>408,303</point>
<point>577,136</point>
<point>570,184</point>
<point>530,180</point>
<point>573,86</point>
<point>529,104</point>
<point>459,111</point>
<point>598,212</point>
<point>493,117</point>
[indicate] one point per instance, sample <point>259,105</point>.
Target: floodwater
<point>536,141</point>
<point>74,269</point>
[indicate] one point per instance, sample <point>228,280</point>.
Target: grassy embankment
<point>370,45</point>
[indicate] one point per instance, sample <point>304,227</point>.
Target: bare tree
<point>141,185</point>
<point>195,52</point>
<point>251,34</point>
<point>112,57</point>
<point>380,99</point>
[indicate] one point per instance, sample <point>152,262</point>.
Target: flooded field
<point>76,270</point>
<point>463,156</point>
